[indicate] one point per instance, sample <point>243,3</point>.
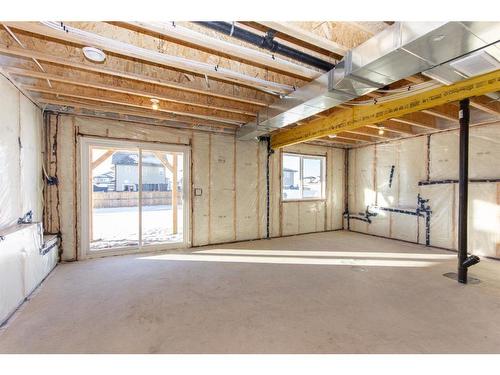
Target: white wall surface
<point>22,267</point>
<point>369,172</point>
<point>231,174</point>
<point>20,156</point>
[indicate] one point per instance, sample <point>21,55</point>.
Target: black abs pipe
<point>346,188</point>
<point>269,152</point>
<point>464,262</point>
<point>448,181</point>
<point>266,42</point>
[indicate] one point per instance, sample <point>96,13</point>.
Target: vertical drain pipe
<point>269,152</point>
<point>346,189</point>
<point>464,262</point>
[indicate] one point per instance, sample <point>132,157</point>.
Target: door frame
<point>86,143</point>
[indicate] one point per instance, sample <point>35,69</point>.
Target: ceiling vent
<point>476,64</point>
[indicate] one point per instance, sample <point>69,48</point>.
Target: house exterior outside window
<point>303,177</point>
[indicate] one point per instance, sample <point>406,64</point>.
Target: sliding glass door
<point>162,203</point>
<point>134,196</point>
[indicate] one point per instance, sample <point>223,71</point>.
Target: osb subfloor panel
<point>320,300</point>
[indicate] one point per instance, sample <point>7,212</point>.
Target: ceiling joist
<point>102,69</point>
<point>123,90</point>
<point>306,36</point>
<point>106,111</point>
<point>395,127</point>
<point>179,116</point>
<point>81,37</point>
<point>348,119</point>
<point>220,47</point>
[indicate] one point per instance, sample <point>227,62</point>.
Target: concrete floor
<point>235,299</point>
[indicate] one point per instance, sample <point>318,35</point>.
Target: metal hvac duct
<point>401,50</point>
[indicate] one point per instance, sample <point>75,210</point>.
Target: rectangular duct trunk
<point>401,50</point>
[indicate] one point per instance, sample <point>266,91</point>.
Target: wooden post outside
<point>174,194</point>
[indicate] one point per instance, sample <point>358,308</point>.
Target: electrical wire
<point>410,91</point>
<point>132,50</point>
<point>11,33</point>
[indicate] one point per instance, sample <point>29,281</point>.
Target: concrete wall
<point>231,174</point>
<point>429,158</point>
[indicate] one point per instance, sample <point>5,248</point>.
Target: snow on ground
<point>119,226</point>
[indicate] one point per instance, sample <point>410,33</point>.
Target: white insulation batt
<point>430,160</point>
<point>22,267</point>
<point>231,175</point>
<point>21,183</point>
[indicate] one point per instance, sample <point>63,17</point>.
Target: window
<point>303,177</point>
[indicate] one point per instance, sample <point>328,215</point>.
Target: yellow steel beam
<point>352,118</point>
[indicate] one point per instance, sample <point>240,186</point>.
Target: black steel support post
<point>463,190</point>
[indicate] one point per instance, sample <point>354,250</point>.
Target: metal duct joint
<point>401,50</point>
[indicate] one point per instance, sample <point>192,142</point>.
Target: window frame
<point>86,143</point>
<point>303,156</point>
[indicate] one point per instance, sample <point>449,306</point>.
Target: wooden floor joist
<point>221,47</point>
<point>306,36</point>
<point>189,117</point>
<point>487,105</point>
<point>85,38</point>
<point>369,132</point>
<point>394,127</point>
<point>419,119</point>
<point>103,69</point>
<point>356,117</point>
<point>120,89</point>
<point>174,122</point>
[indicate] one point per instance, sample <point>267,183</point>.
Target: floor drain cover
<point>454,276</point>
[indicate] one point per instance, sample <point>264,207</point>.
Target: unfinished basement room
<point>249,187</point>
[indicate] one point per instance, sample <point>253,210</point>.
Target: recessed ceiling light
<point>332,135</point>
<point>155,104</point>
<point>94,54</point>
<point>381,130</point>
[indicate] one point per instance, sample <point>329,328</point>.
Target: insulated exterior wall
<point>361,184</point>
<point>336,190</point>
<point>201,180</point>
<point>20,156</point>
<point>22,267</point>
<point>246,190</point>
<point>431,160</point>
<point>222,190</point>
<point>229,174</point>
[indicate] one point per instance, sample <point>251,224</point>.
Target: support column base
<point>454,276</point>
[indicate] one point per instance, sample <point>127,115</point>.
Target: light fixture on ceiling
<point>381,129</point>
<point>332,135</point>
<point>155,104</point>
<point>94,54</point>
